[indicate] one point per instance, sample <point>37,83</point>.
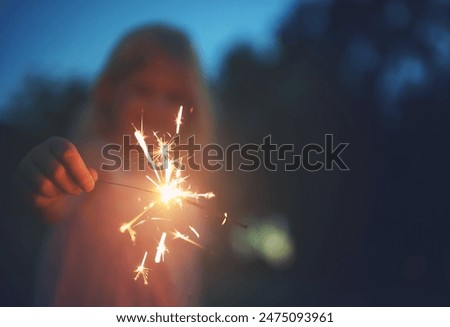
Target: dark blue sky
<point>64,38</point>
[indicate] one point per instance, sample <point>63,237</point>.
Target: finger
<point>35,199</point>
<point>94,174</point>
<point>39,201</point>
<point>64,180</point>
<point>40,184</point>
<point>68,156</point>
<point>56,172</point>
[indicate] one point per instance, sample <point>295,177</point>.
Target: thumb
<point>94,173</point>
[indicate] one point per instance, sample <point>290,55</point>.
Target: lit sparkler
<point>170,182</point>
<point>169,188</point>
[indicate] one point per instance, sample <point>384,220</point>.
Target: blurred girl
<point>86,261</point>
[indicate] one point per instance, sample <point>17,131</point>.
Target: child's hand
<point>51,170</point>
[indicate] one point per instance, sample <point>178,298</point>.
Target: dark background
<point>374,74</point>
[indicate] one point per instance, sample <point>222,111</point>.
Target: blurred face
<point>156,91</point>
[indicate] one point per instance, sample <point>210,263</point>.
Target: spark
<point>186,238</point>
<point>170,184</point>
<point>128,227</point>
<point>225,218</point>
<point>138,134</point>
<point>194,231</point>
<point>138,223</point>
<point>160,219</point>
<point>178,120</point>
<point>161,249</point>
<point>141,270</point>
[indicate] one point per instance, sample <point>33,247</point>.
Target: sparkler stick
<point>125,185</point>
<point>192,203</point>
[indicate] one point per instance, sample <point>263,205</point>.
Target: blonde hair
<point>131,54</point>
